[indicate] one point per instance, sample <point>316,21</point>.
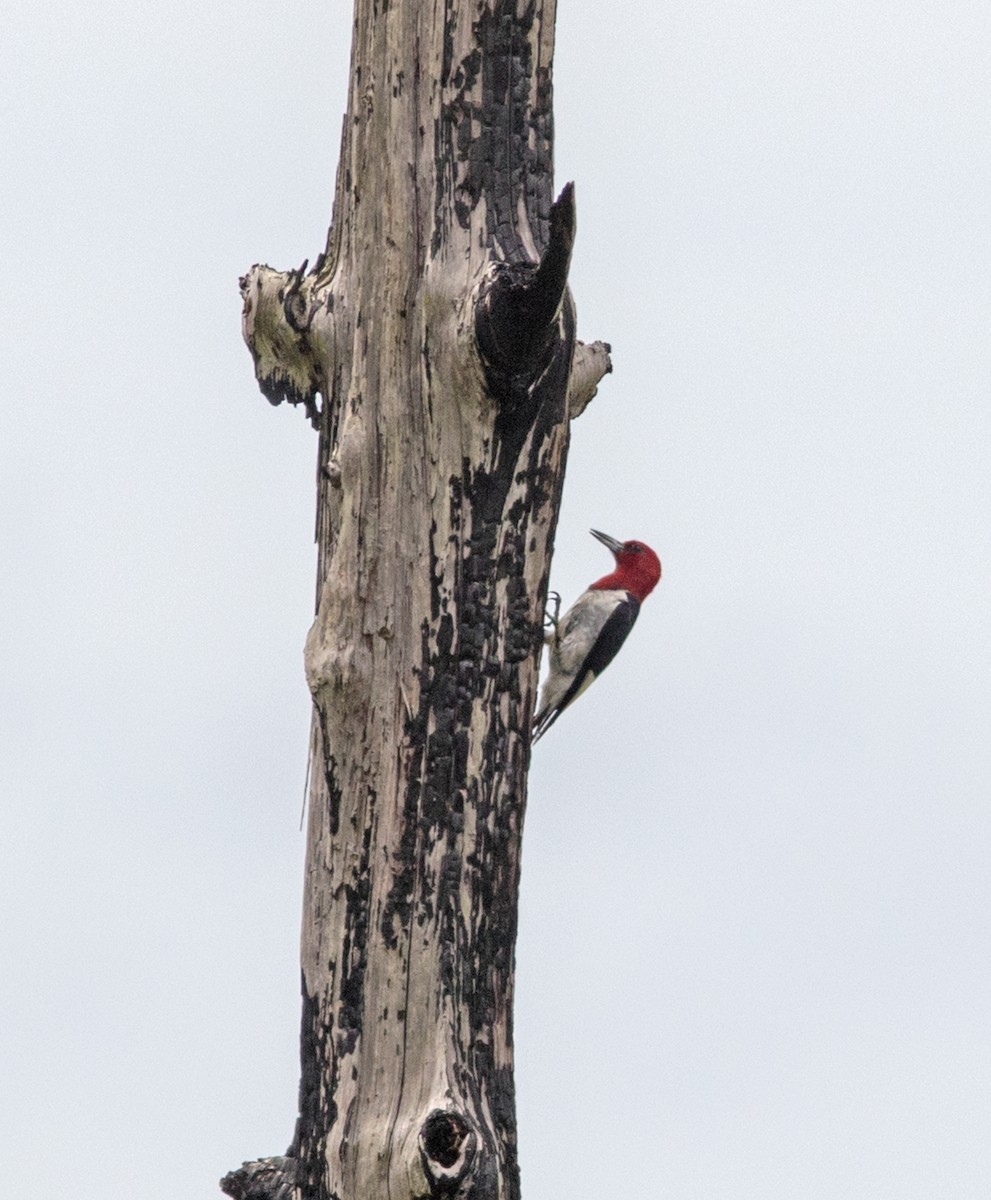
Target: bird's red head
<point>638,568</point>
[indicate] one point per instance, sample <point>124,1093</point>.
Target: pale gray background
<point>755,944</point>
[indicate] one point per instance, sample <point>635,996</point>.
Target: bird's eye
<point>634,546</point>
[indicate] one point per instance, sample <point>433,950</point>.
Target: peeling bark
<point>433,347</point>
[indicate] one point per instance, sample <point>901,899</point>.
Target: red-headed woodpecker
<point>586,640</point>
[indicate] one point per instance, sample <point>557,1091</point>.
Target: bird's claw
<point>550,621</point>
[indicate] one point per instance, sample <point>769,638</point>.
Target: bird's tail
<point>543,721</point>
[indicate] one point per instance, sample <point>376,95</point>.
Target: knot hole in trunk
<point>447,1147</point>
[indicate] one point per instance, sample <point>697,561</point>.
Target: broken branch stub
<point>588,366</point>
<point>275,323</point>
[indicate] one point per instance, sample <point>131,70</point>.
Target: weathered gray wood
<point>432,346</point>
<point>267,1179</point>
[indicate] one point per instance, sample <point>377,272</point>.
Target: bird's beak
<point>606,540</point>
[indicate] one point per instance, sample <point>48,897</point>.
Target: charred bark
<point>432,345</point>
<point>516,315</point>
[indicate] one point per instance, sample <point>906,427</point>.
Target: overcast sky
<point>754,959</point>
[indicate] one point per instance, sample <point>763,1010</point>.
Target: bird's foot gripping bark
<point>550,619</point>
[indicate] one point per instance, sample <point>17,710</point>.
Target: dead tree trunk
<point>432,346</point>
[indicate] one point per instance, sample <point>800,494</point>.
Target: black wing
<point>613,635</point>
